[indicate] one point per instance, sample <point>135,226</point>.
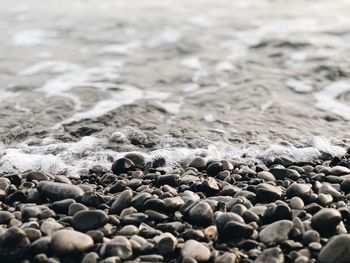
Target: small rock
<point>59,191</point>
<point>165,243</point>
<point>70,242</point>
<point>122,165</point>
<point>214,168</point>
<point>122,201</point>
<point>271,255</point>
<point>326,220</point>
<point>300,190</point>
<point>276,232</point>
<point>195,250</point>
<point>14,245</point>
<point>89,220</point>
<point>201,214</point>
<point>118,246</point>
<point>336,250</point>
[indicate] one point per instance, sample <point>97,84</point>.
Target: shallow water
<point>82,82</point>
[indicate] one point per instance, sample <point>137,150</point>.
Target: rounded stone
<point>59,191</point>
<point>165,243</point>
<point>276,232</point>
<point>201,214</point>
<point>122,165</point>
<point>326,220</point>
<point>5,217</point>
<point>336,250</point>
<point>89,220</point>
<point>122,201</point>
<point>196,250</point>
<point>296,203</point>
<point>70,242</point>
<point>300,190</point>
<point>118,246</point>
<point>214,168</point>
<point>198,162</point>
<point>136,158</point>
<point>14,245</point>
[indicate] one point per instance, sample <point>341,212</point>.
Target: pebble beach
<point>174,131</point>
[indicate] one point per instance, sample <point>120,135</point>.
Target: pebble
<point>214,168</point>
<point>201,214</point>
<point>59,191</point>
<point>196,250</point>
<point>268,193</point>
<point>198,162</point>
<point>122,201</point>
<point>5,217</point>
<point>271,255</point>
<point>276,232</point>
<point>14,245</point>
<point>118,246</point>
<point>300,190</point>
<point>89,220</point>
<point>122,165</point>
<point>326,220</point>
<point>296,203</point>
<point>70,242</point>
<point>165,243</point>
<point>336,250</point>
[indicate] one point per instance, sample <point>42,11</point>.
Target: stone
<point>214,168</point>
<point>165,243</point>
<point>49,226</point>
<point>271,255</point>
<point>89,220</point>
<point>267,192</point>
<point>75,208</point>
<point>336,250</point>
<point>91,257</point>
<point>122,165</point>
<point>296,203</point>
<point>195,250</point>
<point>136,158</point>
<point>59,191</point>
<point>326,220</point>
<point>118,246</point>
<point>14,245</point>
<point>198,162</point>
<point>122,201</point>
<point>226,258</point>
<point>5,217</point>
<point>300,190</point>
<point>267,176</point>
<point>201,214</point>
<point>37,175</point>
<point>70,242</point>
<point>276,232</point>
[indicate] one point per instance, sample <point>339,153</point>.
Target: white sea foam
<point>299,86</point>
<point>124,48</point>
<point>166,37</point>
<point>50,66</point>
<point>33,37</point>
<point>223,66</point>
<point>192,63</point>
<point>54,157</point>
<point>327,99</point>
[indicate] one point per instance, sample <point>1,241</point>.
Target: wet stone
<point>196,250</point>
<point>59,191</point>
<point>122,201</point>
<point>201,214</point>
<point>276,232</point>
<point>122,165</point>
<point>336,250</point>
<point>326,220</point>
<point>89,220</point>
<point>70,242</point>
<point>118,246</point>
<point>14,245</point>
